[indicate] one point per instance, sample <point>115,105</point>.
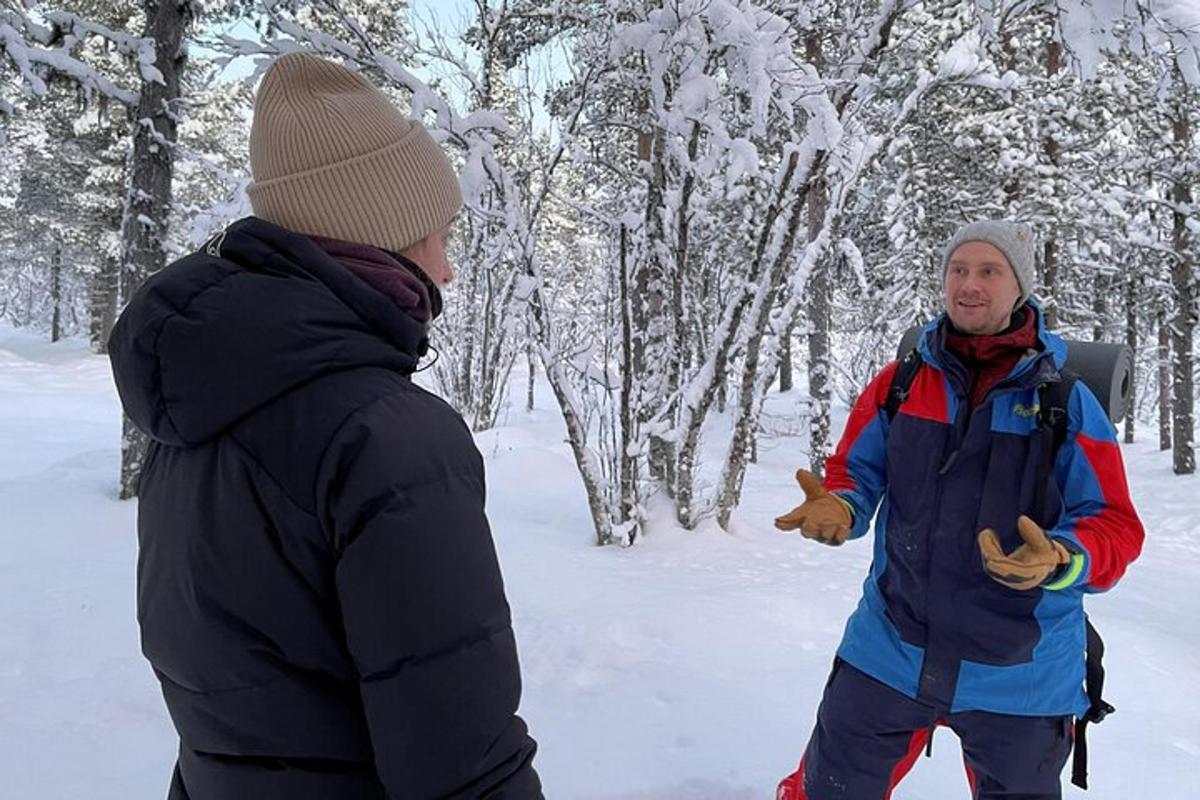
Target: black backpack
<point>1052,414</point>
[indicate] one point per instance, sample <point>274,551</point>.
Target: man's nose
<point>970,285</point>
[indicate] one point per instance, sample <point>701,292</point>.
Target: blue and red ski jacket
<point>931,623</point>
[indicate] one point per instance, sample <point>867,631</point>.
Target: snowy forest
<point>674,208</point>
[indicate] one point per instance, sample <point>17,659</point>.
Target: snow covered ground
<point>685,668</point>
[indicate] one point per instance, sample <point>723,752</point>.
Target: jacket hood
<point>258,312</point>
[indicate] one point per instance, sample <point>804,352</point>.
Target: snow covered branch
<point>37,51</point>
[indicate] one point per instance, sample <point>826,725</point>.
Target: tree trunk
<point>1050,309</point>
<point>532,374</point>
<point>483,403</point>
<point>29,297</point>
<point>1100,308</point>
<point>628,460</point>
<point>1184,324</point>
<point>675,339</point>
<point>464,380</point>
<point>1164,380</point>
<point>820,302</point>
<point>103,303</point>
<point>786,379</point>
<point>56,260</point>
<point>1050,274</point>
<point>148,205</point>
<point>656,328</point>
<point>1132,292</point>
<point>820,294</point>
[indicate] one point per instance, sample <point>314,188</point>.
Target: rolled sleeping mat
<point>1106,368</point>
<point>908,341</point>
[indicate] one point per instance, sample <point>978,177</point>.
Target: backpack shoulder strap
<point>1053,400</point>
<point>1052,415</point>
<point>902,380</point>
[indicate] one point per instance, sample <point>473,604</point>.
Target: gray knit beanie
<point>1013,239</point>
<point>331,156</point>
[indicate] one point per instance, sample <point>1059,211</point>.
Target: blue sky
<point>439,6</point>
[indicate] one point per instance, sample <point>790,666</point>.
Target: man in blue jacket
<point>972,614</point>
<point>318,591</point>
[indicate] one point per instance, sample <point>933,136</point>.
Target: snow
<point>962,59</point>
<point>473,178</point>
<point>743,160</point>
<point>693,96</point>
<point>25,56</point>
<point>1091,28</point>
<point>687,667</point>
<point>631,38</point>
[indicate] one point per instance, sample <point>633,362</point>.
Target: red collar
<point>1009,344</point>
<point>989,359</point>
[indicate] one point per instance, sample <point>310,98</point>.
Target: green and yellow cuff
<point>849,506</point>
<point>1067,575</point>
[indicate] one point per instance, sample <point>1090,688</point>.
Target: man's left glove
<point>1032,564</point>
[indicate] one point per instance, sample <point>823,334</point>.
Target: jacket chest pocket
<point>1014,468</point>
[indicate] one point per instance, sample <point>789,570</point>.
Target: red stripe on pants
<point>792,787</point>
<point>915,745</point>
<point>970,775</point>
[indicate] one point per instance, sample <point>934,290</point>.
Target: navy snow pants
<point>868,736</point>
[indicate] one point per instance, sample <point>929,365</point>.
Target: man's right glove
<point>1031,564</point>
<point>822,516</point>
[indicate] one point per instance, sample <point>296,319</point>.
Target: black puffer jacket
<point>318,591</point>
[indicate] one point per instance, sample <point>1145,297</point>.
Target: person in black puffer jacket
<point>318,591</point>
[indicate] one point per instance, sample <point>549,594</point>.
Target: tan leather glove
<point>822,516</point>
<point>1031,564</point>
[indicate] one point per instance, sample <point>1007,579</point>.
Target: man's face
<point>981,289</point>
<point>430,254</point>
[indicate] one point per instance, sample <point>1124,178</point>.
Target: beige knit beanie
<point>331,156</point>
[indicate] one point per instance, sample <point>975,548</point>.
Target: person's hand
<point>822,516</point>
<point>1030,565</point>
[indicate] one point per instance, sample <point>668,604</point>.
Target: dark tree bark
<point>1050,278</point>
<point>148,205</point>
<point>629,476</point>
<point>56,259</point>
<point>820,294</point>
<point>786,378</point>
<point>1184,325</point>
<point>1100,308</point>
<point>102,303</point>
<point>1164,380</point>
<point>1050,245</point>
<point>820,303</point>
<point>1132,338</point>
<point>532,366</point>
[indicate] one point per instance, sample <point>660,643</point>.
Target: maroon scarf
<point>386,273</point>
<point>989,359</point>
